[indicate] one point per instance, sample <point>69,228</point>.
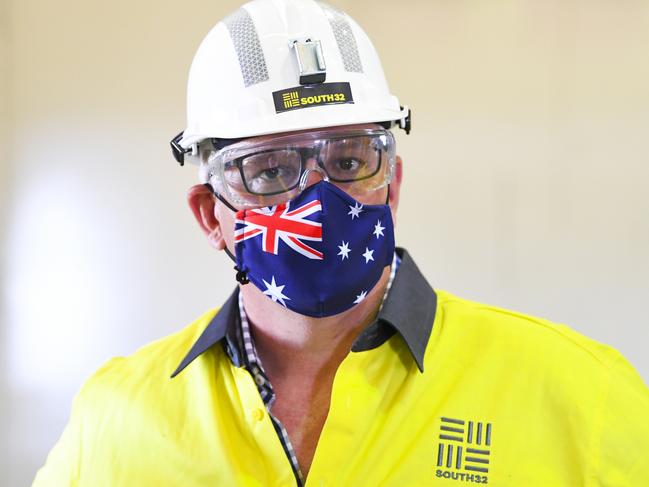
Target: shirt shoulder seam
<point>554,327</point>
<point>598,421</point>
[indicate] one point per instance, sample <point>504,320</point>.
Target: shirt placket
<point>265,388</point>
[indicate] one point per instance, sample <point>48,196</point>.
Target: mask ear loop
<point>241,276</point>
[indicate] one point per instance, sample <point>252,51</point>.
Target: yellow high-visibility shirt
<point>504,399</point>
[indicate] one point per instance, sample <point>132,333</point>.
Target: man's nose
<point>312,175</point>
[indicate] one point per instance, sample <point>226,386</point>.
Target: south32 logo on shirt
<point>463,450</point>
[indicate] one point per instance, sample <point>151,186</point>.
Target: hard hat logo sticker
<point>291,100</point>
<point>312,96</point>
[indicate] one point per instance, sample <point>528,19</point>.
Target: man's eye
<point>270,174</point>
<point>348,164</point>
<point>273,171</point>
<point>273,179</point>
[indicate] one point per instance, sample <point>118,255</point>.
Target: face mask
<point>318,254</point>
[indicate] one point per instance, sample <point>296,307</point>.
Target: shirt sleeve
<point>63,462</point>
<point>623,458</point>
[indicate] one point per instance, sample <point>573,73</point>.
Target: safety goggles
<point>270,170</point>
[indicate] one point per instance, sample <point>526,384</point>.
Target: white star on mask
<point>275,292</point>
<point>355,210</point>
<point>360,297</point>
<point>344,250</point>
<point>378,229</point>
<point>368,255</point>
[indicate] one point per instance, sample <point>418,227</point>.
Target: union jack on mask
<point>318,254</point>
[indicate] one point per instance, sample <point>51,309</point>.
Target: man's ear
<point>202,203</point>
<point>395,188</point>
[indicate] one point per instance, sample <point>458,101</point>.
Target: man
<point>334,362</point>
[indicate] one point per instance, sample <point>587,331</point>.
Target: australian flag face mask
<point>318,254</point>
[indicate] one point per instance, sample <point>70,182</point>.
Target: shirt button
<point>258,414</point>
<point>259,380</point>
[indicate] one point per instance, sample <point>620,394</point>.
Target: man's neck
<point>290,343</point>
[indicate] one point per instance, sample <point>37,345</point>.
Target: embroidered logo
<point>464,450</point>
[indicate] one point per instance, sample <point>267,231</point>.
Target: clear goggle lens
<point>258,172</point>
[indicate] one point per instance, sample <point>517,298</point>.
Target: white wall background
<point>525,181</point>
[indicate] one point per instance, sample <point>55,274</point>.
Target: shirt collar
<point>409,309</point>
<point>224,319</point>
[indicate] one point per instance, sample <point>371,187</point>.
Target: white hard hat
<point>280,66</point>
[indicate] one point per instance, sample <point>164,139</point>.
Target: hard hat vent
<point>247,46</point>
<point>344,38</point>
